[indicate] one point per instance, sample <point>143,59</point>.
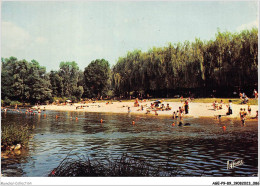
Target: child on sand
<point>136,104</point>
<point>214,105</point>
<point>249,110</point>
<point>220,105</point>
<point>168,107</point>
<point>245,113</point>
<point>162,107</point>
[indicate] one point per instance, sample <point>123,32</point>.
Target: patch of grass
<point>225,100</point>
<point>252,101</point>
<point>124,166</point>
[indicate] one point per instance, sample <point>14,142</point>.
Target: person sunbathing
<point>162,108</point>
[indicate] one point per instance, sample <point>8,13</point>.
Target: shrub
<point>13,103</point>
<point>59,99</point>
<point>7,101</point>
<point>73,99</point>
<point>122,166</point>
<point>12,135</point>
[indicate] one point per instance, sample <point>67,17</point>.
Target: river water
<point>201,149</point>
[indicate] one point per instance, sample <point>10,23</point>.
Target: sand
<point>195,109</point>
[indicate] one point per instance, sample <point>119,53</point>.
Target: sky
<point>82,31</point>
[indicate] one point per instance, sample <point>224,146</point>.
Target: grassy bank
<point>252,101</point>
<point>123,166</point>
<point>211,100</point>
<point>12,135</point>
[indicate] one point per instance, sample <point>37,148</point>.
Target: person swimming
<point>174,115</point>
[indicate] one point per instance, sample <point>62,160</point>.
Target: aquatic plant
<point>13,135</point>
<point>123,166</point>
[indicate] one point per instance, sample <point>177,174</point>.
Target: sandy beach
<point>195,109</point>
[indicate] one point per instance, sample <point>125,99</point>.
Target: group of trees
<point>220,66</point>
<point>29,82</point>
<point>24,81</point>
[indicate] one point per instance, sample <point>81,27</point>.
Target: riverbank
<point>195,109</point>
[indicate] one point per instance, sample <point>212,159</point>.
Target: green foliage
<point>73,99</point>
<point>109,93</point>
<point>24,81</point>
<point>67,82</point>
<point>230,62</point>
<point>97,75</point>
<point>69,74</point>
<point>56,84</point>
<point>59,99</point>
<point>12,135</point>
<point>7,101</point>
<point>78,92</point>
<point>14,103</point>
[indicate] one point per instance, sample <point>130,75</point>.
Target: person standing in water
<point>241,113</point>
<point>174,115</point>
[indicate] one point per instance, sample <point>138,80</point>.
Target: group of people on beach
<point>160,108</point>
<point>181,111</point>
<point>217,106</point>
<point>244,98</point>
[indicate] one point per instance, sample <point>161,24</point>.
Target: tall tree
<point>69,74</point>
<point>97,75</point>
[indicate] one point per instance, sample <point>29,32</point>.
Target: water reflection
<point>201,149</point>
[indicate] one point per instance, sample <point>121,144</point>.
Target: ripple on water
<point>201,149</point>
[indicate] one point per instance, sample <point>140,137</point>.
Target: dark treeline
<point>218,68</point>
<point>201,69</point>
<point>28,82</point>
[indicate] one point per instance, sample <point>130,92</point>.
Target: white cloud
<point>16,41</point>
<point>248,25</point>
<point>14,37</point>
